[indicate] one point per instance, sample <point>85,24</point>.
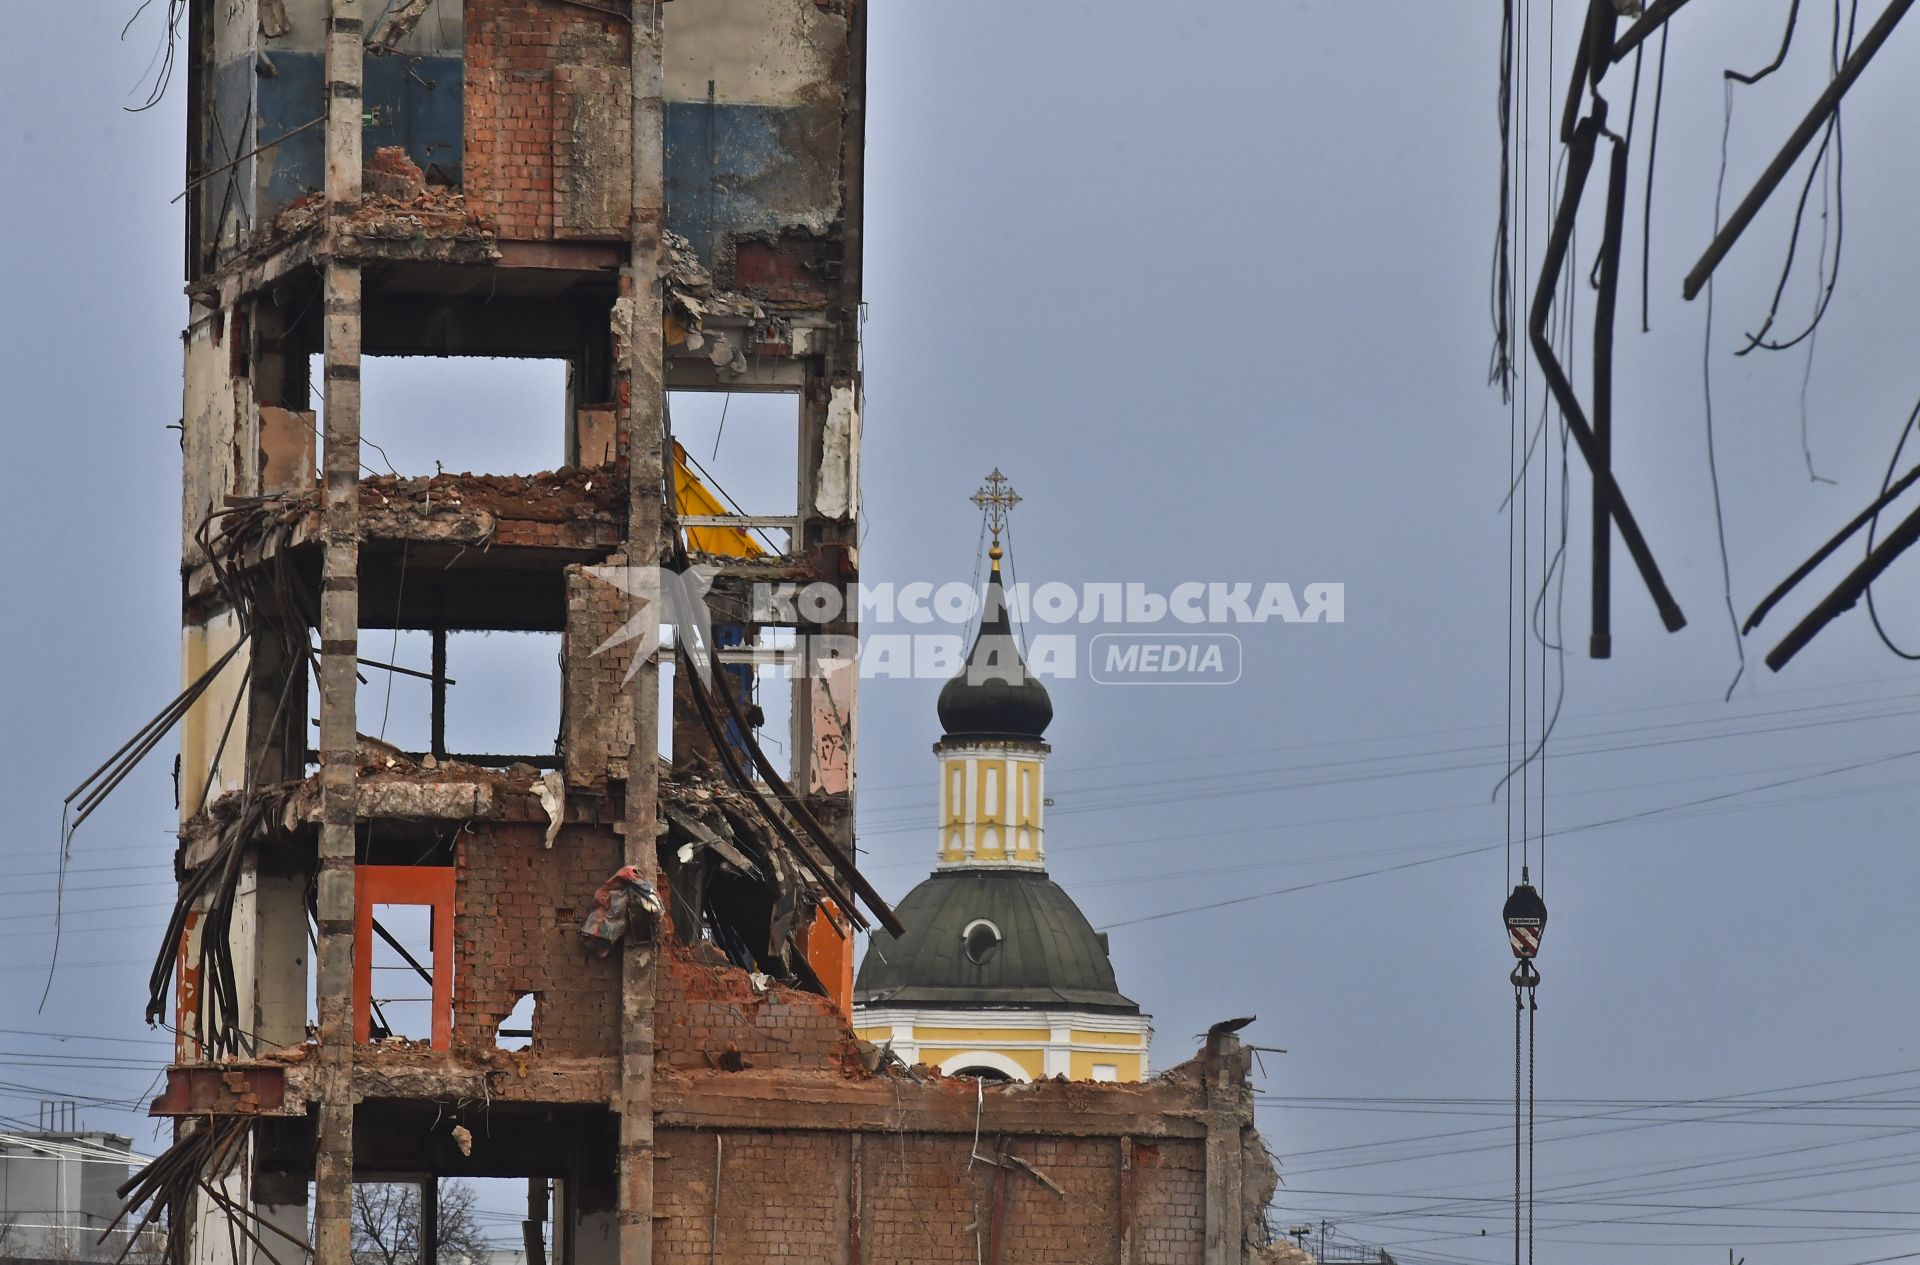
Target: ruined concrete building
<point>637,970</point>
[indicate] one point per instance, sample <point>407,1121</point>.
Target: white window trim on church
<point>951,1053</point>
<point>988,1059</point>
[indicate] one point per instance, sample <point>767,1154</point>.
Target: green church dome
<point>990,937</point>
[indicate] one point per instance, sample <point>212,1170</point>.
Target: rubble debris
<point>434,212</point>
<point>396,26</point>
<point>693,299</point>
<point>391,174</point>
<point>391,209</point>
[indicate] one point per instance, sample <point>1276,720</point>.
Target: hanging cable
<point>1706,385</point>
<point>1532,1007</point>
<point>1886,483</point>
<point>1646,213</point>
<point>1501,368</point>
<point>1829,158</point>
<point>1516,1125</point>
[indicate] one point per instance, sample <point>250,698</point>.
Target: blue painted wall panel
<point>229,196</point>
<point>419,104</point>
<point>744,169</point>
<point>416,102</point>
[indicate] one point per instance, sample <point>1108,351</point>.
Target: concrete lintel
<point>1155,1109</point>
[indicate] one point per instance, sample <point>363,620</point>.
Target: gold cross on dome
<point>996,498</point>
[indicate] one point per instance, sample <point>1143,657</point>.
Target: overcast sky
<point>1209,282</point>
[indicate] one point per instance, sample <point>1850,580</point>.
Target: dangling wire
<point>1706,384</point>
<point>1886,481</point>
<point>1828,167</point>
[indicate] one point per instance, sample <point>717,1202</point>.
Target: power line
<point>1877,688</point>
<point>1202,791</point>
<point>1488,847</point>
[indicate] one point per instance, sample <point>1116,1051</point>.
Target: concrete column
<point>429,1249</point>
<point>595,1240</point>
<point>822,727</point>
<point>339,649</point>
<point>824,740</point>
<point>1229,1115</point>
<point>641,372</point>
<point>1224,1227</point>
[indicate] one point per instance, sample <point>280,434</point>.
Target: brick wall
<point>918,1198</point>
<point>1039,1227</point>
<point>516,141</point>
<point>1169,1192</point>
<point>710,1016</point>
<point>788,1196</point>
<point>780,1196</point>
<point>596,708</point>
<point>517,930</point>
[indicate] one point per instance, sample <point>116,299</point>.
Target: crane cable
<point>1532,1006</point>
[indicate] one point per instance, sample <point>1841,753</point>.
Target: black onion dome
<point>995,695</point>
<point>979,937</point>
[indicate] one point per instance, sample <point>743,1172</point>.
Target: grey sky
<point>1209,282</point>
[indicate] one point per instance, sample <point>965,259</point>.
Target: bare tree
<point>386,1225</point>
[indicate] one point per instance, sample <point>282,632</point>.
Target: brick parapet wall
<point>713,1016</point>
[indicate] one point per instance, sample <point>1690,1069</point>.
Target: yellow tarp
<point>691,496</point>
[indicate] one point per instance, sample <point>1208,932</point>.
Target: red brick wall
<point>513,48</point>
<point>709,1016</point>
<point>517,930</point>
<point>782,1196</point>
<point>787,1196</point>
<point>1169,1200</point>
<point>1038,1227</point>
<point>917,1197</point>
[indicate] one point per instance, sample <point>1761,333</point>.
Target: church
<point>999,974</point>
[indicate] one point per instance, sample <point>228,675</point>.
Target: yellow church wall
<point>1028,805</point>
<point>1025,1047</point>
<point>1080,1065</point>
<point>1032,1062</point>
<point>977,1036</point>
<point>956,793</point>
<point>1128,1040</point>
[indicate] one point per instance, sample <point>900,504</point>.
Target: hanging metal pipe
<point>1824,105</point>
<point>1579,166</point>
<point>1600,643</point>
<point>1825,551</point>
<point>1849,591</point>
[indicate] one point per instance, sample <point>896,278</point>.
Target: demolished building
<point>664,196</point>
